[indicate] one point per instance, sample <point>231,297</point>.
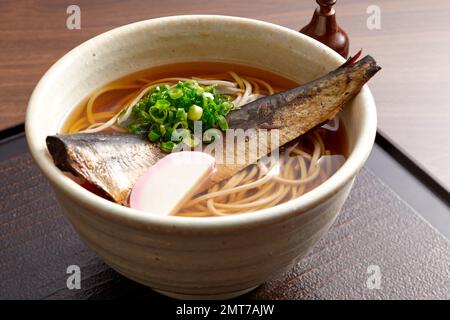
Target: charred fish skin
<point>298,110</point>
<point>112,162</point>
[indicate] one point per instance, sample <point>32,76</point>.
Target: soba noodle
<point>242,89</point>
<point>260,186</point>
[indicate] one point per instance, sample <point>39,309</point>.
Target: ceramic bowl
<point>217,257</point>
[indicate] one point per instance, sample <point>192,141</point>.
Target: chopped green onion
<point>153,136</point>
<point>162,104</point>
<point>177,125</point>
<point>181,114</point>
<point>157,115</point>
<point>195,113</point>
<point>222,122</point>
<point>211,89</point>
<point>208,95</point>
<point>165,110</point>
<point>176,136</point>
<point>175,93</point>
<point>211,135</point>
<point>167,146</point>
<point>227,106</point>
<point>162,129</point>
<point>191,141</point>
<point>168,134</point>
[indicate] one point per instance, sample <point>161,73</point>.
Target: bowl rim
<point>135,218</point>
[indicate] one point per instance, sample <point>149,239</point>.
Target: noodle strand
<point>261,185</point>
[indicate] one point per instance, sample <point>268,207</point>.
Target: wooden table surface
<point>376,230</point>
<point>412,46</point>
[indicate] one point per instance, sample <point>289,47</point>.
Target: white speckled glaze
<point>185,257</point>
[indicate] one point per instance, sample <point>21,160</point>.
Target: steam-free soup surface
<point>304,164</point>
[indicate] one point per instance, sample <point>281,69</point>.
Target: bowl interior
<point>156,42</point>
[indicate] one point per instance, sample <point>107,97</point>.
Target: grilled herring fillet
<point>113,162</point>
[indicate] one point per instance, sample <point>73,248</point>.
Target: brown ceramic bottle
<point>324,28</point>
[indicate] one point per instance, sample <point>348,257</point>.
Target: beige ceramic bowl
<point>183,257</point>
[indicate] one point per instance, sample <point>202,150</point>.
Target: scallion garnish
<point>167,146</point>
<point>166,109</point>
<point>175,93</point>
<point>153,136</point>
<point>195,113</point>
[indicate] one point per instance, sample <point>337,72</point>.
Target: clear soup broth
<point>304,163</point>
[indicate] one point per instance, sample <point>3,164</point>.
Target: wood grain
<point>412,45</point>
<point>375,227</point>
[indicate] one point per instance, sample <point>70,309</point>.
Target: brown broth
<point>106,102</point>
<point>335,139</point>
